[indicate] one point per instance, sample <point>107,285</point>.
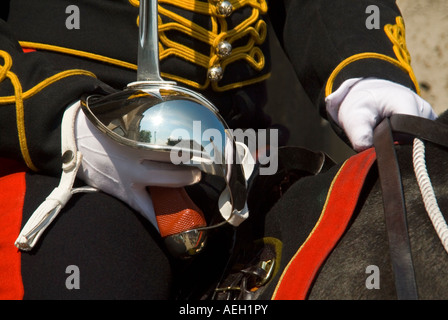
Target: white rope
<point>427,191</point>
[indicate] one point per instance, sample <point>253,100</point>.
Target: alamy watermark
<point>73,21</point>
<point>213,145</point>
<point>373,280</point>
<point>74,278</point>
<point>373,20</point>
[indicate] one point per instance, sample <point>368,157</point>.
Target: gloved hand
<point>360,104</point>
<point>125,172</point>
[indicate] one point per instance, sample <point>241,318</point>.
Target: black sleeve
<point>330,41</point>
<point>33,97</point>
<point>4,9</point>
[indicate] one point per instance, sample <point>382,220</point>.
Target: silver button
<point>223,49</point>
<point>215,73</point>
<point>225,8</point>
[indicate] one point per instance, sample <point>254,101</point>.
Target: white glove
<point>125,172</point>
<point>359,105</point>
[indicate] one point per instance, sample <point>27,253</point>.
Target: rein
<point>392,190</point>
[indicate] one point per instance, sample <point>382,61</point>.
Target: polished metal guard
<point>120,116</point>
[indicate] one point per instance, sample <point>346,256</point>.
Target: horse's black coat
<point>365,243</point>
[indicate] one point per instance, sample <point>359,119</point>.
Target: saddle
<point>254,262</point>
<point>239,263</point>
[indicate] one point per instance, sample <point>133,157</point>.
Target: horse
<point>359,265</point>
<point>365,243</point>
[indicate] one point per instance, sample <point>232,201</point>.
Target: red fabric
<point>341,202</point>
<point>26,50</point>
<point>12,194</point>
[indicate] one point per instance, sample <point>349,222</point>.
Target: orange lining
<point>175,211</point>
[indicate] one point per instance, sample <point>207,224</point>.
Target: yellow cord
<point>19,97</point>
<point>252,26</point>
<point>396,34</point>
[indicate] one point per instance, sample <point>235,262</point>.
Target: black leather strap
<point>425,129</point>
<point>395,212</point>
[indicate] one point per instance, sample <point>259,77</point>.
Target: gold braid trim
<point>78,53</point>
<point>396,34</point>
<point>19,97</point>
<point>253,27</point>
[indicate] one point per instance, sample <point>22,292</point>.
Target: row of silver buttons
<point>224,48</point>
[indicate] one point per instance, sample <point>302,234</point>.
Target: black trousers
<point>97,248</point>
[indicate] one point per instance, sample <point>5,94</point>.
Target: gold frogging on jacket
<point>397,35</point>
<point>220,39</point>
<point>18,98</point>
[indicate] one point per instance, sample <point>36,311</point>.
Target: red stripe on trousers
<point>12,194</point>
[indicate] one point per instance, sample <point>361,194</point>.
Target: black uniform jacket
<point>52,52</point>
